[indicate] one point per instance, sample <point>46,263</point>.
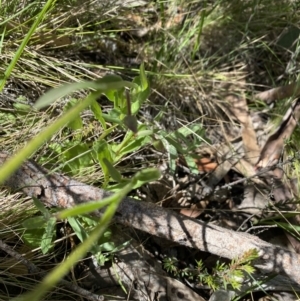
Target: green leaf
<point>158,145</point>
<point>117,97</point>
<point>148,175</point>
<point>140,94</point>
<point>174,143</point>
<point>104,84</point>
<point>37,222</point>
<point>112,118</point>
<point>143,95</point>
<point>144,133</point>
<point>144,81</point>
<point>54,94</point>
<point>41,207</point>
<point>108,79</point>
<point>111,95</point>
<point>78,228</point>
<point>173,154</point>
<point>138,98</point>
<point>89,221</point>
<point>13,163</point>
<point>96,109</point>
<point>76,123</point>
<point>22,107</point>
<point>102,150</point>
<point>78,157</point>
<point>142,176</point>
<point>134,145</point>
<point>33,237</point>
<point>49,234</point>
<point>114,173</point>
<point>191,164</point>
<point>84,208</point>
<point>190,129</point>
<point>106,247</point>
<point>131,123</point>
<point>121,247</point>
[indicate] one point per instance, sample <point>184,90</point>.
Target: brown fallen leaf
<point>206,164</point>
<point>195,210</point>
<point>240,110</point>
<point>273,148</point>
<point>279,93</point>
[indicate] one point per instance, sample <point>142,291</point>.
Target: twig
<point>259,173</point>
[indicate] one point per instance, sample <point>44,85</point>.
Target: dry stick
<point>57,190</point>
<point>33,269</point>
<point>275,94</point>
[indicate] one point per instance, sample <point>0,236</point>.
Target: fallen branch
<point>60,191</point>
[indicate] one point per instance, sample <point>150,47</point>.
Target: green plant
<point>221,276</point>
<point>124,116</point>
<point>112,203</point>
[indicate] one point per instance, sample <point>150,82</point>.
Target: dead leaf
<point>279,93</point>
<point>195,210</point>
<point>206,164</point>
<point>240,110</point>
<point>273,148</point>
